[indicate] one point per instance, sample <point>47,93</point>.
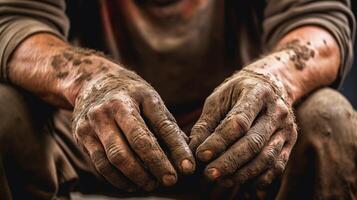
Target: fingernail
<point>150,186</point>
<point>213,173</point>
<point>186,166</point>
<point>169,180</point>
<point>205,155</point>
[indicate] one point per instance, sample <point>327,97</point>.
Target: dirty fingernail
<point>213,173</point>
<point>205,155</point>
<point>150,186</point>
<point>186,166</point>
<point>169,180</point>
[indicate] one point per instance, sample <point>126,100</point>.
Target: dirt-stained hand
<point>119,120</point>
<point>246,130</point>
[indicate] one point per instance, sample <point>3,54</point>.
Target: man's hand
<point>246,129</point>
<point>117,118</point>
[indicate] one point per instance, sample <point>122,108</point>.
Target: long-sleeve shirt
<point>183,49</point>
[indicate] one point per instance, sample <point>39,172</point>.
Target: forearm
<point>52,69</point>
<point>305,59</point>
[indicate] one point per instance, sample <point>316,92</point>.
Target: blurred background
<point>349,88</point>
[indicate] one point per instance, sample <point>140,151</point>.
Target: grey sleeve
<point>22,18</point>
<point>282,16</point>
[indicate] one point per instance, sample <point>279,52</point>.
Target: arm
<point>305,59</point>
<point>247,129</point>
<point>110,103</point>
<point>105,96</point>
<point>39,65</point>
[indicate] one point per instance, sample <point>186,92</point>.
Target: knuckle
<point>102,165</point>
<point>241,122</point>
<point>81,129</point>
<point>141,140</point>
<point>265,90</point>
<point>279,167</point>
<point>117,155</point>
<point>219,142</point>
<point>154,98</point>
<point>166,128</point>
<point>270,155</point>
<point>294,136</point>
<point>95,112</point>
<point>283,111</point>
<point>114,102</point>
<point>209,99</point>
<point>200,128</point>
<point>143,90</point>
<point>255,142</point>
<point>292,133</point>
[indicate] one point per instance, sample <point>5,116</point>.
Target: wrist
<point>86,72</point>
<point>280,68</point>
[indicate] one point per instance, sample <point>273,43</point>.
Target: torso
<point>176,45</point>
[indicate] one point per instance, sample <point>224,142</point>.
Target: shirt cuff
<point>16,31</point>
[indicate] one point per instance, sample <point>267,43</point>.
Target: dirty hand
<point>117,118</point>
<point>246,130</point>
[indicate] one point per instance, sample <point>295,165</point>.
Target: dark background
<point>349,88</point>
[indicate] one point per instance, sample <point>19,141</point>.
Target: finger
<point>262,162</point>
<point>273,172</point>
<point>235,125</point>
<point>166,128</point>
<point>212,114</point>
<point>143,142</point>
<point>243,150</point>
<point>278,168</point>
<point>117,151</point>
<point>97,154</point>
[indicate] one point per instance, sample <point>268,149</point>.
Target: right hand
<point>116,119</point>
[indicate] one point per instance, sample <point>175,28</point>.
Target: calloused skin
<point>246,130</point>
<point>118,118</point>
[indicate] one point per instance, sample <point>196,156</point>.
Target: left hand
<point>247,129</point>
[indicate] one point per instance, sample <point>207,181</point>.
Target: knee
<point>326,113</point>
<point>14,116</point>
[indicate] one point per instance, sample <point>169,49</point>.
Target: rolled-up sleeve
<point>22,18</point>
<point>282,16</point>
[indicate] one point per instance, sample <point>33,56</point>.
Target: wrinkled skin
<point>246,130</point>
<point>117,118</point>
<point>247,123</point>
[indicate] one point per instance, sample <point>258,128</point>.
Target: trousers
<point>40,160</point>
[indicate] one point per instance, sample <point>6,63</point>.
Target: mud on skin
<point>122,99</point>
<point>302,53</point>
<point>246,130</point>
<point>117,96</point>
<point>111,97</point>
<point>81,59</point>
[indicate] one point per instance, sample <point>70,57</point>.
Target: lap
<point>323,163</point>
<point>42,159</point>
